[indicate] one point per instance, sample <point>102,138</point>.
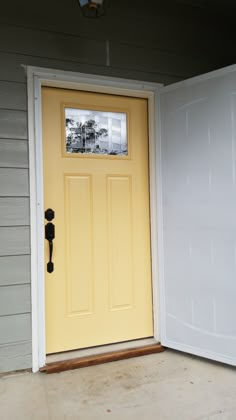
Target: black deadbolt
<point>49,215</point>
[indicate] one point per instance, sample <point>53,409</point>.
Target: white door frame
<point>36,78</point>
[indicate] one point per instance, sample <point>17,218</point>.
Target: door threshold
<point>98,355</point>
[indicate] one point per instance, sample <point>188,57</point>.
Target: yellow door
<point>95,153</point>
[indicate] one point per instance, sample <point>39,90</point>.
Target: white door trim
<point>36,78</point>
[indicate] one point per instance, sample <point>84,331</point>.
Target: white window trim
<point>36,78</point>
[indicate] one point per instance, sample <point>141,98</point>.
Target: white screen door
<point>198,171</point>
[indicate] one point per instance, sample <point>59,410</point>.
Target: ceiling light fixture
<point>92,8</point>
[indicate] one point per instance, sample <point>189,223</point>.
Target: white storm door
<point>198,246</point>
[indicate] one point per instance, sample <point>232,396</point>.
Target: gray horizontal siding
<point>15,328</point>
<point>12,69</point>
<point>15,356</point>
<point>13,95</point>
<point>45,44</point>
<point>14,240</point>
<point>145,75</point>
<point>13,124</point>
<point>13,153</point>
<point>14,299</point>
<point>154,60</point>
<point>48,44</point>
<point>17,72</point>
<point>14,211</point>
<point>14,270</point>
<point>69,50</point>
<point>168,25</point>
<point>14,182</point>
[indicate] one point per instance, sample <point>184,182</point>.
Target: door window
<point>95,132</point>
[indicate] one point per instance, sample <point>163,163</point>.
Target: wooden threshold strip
<point>80,362</point>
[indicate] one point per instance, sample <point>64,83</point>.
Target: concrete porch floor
<point>168,385</point>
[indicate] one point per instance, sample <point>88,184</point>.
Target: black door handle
<point>50,235</point>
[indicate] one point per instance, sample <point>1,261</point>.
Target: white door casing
<point>198,158</point>
<point>36,78</point>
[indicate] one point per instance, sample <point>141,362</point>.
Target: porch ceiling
<point>27,7</point>
<point>225,6</point>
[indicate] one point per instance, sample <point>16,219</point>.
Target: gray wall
<point>162,44</point>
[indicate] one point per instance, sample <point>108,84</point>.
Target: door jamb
<point>36,78</point>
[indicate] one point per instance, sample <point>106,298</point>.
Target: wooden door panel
<point>100,291</point>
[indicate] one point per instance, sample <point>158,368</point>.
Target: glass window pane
<point>96,132</point>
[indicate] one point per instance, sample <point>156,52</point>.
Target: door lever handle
<point>50,235</point>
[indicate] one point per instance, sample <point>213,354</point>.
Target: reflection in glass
<point>97,132</point>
